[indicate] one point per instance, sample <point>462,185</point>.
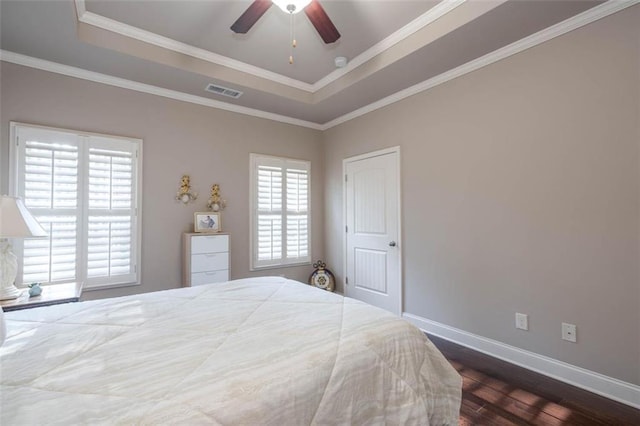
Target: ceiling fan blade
<point>250,16</point>
<point>322,22</point>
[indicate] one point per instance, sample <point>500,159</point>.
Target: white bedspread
<point>264,351</point>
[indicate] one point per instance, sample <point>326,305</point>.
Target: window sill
<point>286,265</point>
<point>109,286</point>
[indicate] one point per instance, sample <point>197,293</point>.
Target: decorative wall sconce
<point>216,203</point>
<point>185,195</point>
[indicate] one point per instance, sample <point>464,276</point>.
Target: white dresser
<point>206,258</point>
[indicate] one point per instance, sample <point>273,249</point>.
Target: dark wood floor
<point>495,392</point>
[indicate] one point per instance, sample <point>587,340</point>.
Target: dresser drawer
<point>209,262</point>
<point>209,277</point>
<point>209,243</point>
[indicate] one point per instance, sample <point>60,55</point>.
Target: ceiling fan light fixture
<point>285,5</point>
<point>312,8</point>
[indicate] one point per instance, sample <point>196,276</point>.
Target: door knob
<point>392,244</point>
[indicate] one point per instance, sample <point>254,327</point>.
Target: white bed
<point>263,351</point>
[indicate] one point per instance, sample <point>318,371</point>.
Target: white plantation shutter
<point>48,182</point>
<point>297,213</point>
<point>83,189</point>
<point>269,213</point>
<point>51,173</point>
<point>109,247</point>
<point>111,211</point>
<point>269,237</point>
<point>52,259</point>
<point>280,211</point>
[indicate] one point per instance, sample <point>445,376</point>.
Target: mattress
<point>260,351</point>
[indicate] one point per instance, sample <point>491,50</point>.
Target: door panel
<point>372,230</point>
<point>369,218</point>
<point>369,270</point>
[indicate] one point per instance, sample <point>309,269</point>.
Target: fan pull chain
<point>293,38</point>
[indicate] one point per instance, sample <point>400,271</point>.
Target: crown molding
<point>126,30</point>
<point>81,8</point>
<point>54,67</point>
<point>575,22</point>
<point>412,27</point>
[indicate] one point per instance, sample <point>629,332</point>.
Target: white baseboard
<point>591,381</point>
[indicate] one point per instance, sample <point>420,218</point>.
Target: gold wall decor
<point>216,203</point>
<point>185,195</point>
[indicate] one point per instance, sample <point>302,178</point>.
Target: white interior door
<point>372,200</point>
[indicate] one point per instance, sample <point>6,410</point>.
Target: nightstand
<point>52,294</point>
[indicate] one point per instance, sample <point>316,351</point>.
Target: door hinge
<point>346,280</point>
<point>346,228</point>
<point>345,178</point>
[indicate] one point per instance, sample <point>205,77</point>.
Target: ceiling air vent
<point>224,91</point>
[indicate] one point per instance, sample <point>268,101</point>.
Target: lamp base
<point>8,272</point>
<point>9,293</point>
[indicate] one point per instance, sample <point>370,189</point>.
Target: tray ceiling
<point>179,47</point>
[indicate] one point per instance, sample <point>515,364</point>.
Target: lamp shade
<point>16,221</point>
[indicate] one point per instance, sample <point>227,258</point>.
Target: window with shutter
<point>279,211</point>
<point>84,190</point>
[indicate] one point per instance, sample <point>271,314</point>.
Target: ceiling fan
<point>312,9</point>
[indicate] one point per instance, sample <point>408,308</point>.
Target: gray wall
<point>211,145</point>
<point>521,193</point>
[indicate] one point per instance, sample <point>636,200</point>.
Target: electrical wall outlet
<point>522,321</point>
<point>569,332</point>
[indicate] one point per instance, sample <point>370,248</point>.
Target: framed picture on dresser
<point>206,222</point>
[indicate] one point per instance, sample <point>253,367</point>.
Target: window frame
<point>255,160</point>
<point>84,143</point>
